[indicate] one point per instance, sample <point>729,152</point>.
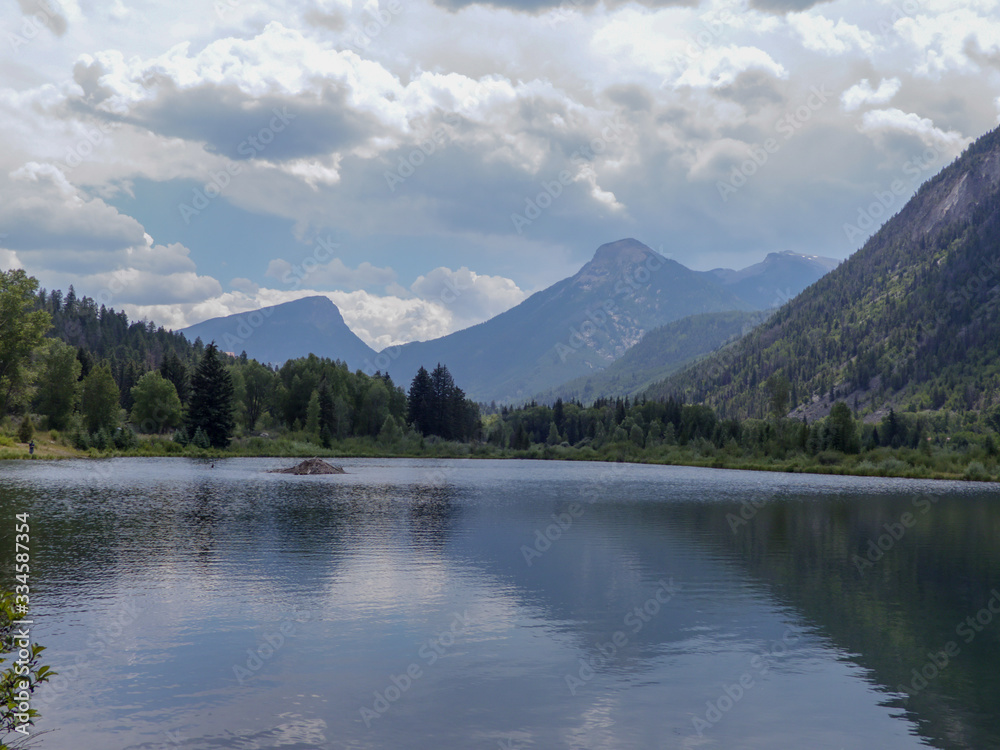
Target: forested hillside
<point>659,353</point>
<point>911,320</point>
<point>85,370</point>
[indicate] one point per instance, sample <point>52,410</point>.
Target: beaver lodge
<point>310,466</point>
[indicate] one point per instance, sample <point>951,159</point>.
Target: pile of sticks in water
<point>311,466</point>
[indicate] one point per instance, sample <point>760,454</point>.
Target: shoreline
<point>454,451</point>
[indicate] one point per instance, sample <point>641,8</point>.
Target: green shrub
<point>27,429</point>
<point>100,440</point>
<point>976,472</point>
<point>125,438</point>
<point>893,467</point>
<point>200,439</point>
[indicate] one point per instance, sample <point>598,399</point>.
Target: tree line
<point>69,364</point>
<point>72,366</point>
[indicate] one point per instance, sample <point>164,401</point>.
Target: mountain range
<point>909,321</point>
<point>575,328</point>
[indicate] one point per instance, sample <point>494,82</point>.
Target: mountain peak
<point>623,251</point>
<point>317,304</point>
<point>286,331</point>
<point>615,260</point>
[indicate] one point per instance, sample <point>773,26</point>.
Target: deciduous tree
<point>156,406</point>
<point>58,384</point>
<point>21,330</point>
<point>99,399</point>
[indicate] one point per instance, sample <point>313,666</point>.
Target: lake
<point>507,604</point>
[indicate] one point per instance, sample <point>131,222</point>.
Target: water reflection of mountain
<point>940,561</point>
<point>743,584</point>
<point>939,565</point>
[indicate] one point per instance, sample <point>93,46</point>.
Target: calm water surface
<point>488,604</point>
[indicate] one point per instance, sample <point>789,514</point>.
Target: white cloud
<point>469,297</point>
<point>438,303</point>
<point>820,34</point>
<point>503,97</point>
<point>909,123</point>
<point>953,40</point>
<point>132,286</point>
<point>862,93</point>
<point>43,211</point>
<point>9,259</point>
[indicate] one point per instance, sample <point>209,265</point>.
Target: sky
<point>428,164</point>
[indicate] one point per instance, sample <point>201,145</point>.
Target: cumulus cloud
<point>125,287</point>
<point>379,320</point>
<point>820,34</point>
<point>958,39</point>
<point>892,120</point>
<point>430,131</point>
<point>470,297</point>
<point>862,93</point>
<point>437,303</point>
<point>8,258</point>
<point>42,210</point>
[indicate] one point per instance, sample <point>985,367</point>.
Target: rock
<point>310,466</point>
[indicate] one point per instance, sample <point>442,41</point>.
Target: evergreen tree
<point>312,415</point>
<point>174,370</point>
<point>259,388</point>
<point>327,416</point>
<point>211,405</point>
<point>26,430</point>
<point>374,408</point>
<point>443,400</point>
<point>86,360</point>
<point>521,440</point>
<point>778,389</point>
<point>420,403</point>
<point>559,414</point>
<point>200,439</point>
<point>842,430</point>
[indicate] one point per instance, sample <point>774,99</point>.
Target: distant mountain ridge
<point>578,325</point>
<point>311,325</point>
<point>911,320</point>
<point>659,353</point>
<point>776,279</point>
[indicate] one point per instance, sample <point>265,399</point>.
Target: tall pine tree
<point>438,407</point>
<point>174,370</point>
<point>211,400</point>
<point>327,415</point>
<point>420,403</point>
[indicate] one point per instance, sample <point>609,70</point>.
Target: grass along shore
<point>929,463</point>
